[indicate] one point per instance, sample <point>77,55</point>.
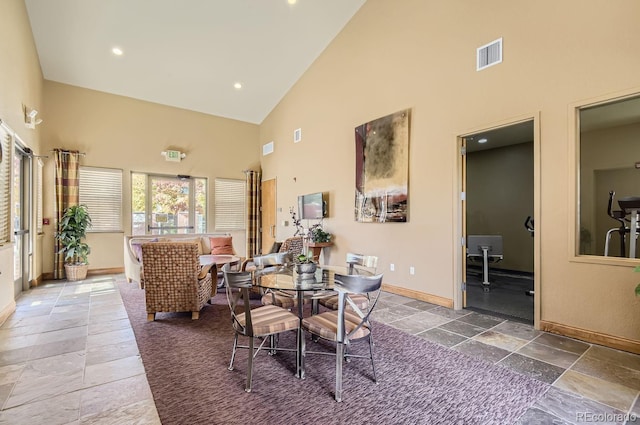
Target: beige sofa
<point>133,252</point>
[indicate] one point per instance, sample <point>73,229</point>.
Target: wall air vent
<point>489,54</point>
<point>267,148</point>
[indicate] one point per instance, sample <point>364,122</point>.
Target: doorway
<point>268,211</point>
<point>21,214</point>
<point>498,221</point>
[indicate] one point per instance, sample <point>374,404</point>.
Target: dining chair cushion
<point>279,299</point>
<point>326,325</point>
<point>331,302</point>
<point>270,319</point>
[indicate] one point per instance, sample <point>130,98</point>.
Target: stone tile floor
<point>68,356</point>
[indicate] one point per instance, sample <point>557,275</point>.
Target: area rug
<point>419,382</point>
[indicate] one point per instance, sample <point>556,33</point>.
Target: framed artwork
<point>382,169</point>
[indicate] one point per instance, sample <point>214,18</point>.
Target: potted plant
<point>317,234</point>
<point>304,264</point>
<point>72,230</point>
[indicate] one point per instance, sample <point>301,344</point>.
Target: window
<point>168,204</point>
<point>5,185</point>
<point>101,192</point>
<point>230,204</point>
<point>608,175</point>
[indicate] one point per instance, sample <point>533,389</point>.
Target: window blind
<point>101,192</point>
<point>230,204</point>
<point>5,185</point>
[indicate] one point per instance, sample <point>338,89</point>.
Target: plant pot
<point>76,271</point>
<point>306,269</point>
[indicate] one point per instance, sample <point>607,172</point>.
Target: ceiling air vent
<point>489,54</point>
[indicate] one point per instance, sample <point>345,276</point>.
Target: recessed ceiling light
<point>292,1</point>
<point>483,140</point>
<point>238,85</point>
<point>117,51</point>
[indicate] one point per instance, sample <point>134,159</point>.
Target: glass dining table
<point>302,286</point>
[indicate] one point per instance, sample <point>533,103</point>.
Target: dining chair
<point>348,323</point>
<point>284,299</point>
<point>356,264</point>
<point>263,322</point>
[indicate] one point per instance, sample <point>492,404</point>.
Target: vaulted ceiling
<point>188,54</point>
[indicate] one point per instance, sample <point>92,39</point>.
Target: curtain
<point>66,194</point>
<point>254,237</point>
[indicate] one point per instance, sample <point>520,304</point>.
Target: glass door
<point>171,209</point>
<point>168,205</point>
<point>20,214</point>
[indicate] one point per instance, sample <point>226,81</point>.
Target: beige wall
<point>20,83</point>
<point>499,199</point>
<point>119,132</point>
<point>421,55</point>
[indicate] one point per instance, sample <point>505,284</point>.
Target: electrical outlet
<point>412,270</point>
<point>392,267</point>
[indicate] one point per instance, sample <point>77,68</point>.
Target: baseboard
<point>433,299</point>
<point>611,341</point>
<point>111,270</point>
<point>7,311</point>
<point>91,272</point>
<point>37,281</point>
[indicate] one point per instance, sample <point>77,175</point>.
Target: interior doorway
<point>498,221</point>
<point>268,211</point>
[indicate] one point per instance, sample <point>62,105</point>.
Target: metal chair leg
<point>233,353</point>
<point>273,344</point>
<point>339,359</point>
<point>373,366</point>
<point>250,365</point>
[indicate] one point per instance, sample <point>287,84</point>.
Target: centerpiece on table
<point>305,264</point>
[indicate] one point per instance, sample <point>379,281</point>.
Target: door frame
<point>460,211</point>
<point>23,238</point>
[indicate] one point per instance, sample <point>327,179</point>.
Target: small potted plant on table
<point>71,232</point>
<point>305,266</point>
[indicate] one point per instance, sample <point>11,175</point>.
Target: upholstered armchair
<point>174,279</point>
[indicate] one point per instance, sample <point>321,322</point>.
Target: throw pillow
<point>221,245</point>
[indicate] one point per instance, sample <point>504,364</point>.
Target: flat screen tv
<point>312,206</point>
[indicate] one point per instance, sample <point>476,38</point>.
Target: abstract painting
<point>382,169</point>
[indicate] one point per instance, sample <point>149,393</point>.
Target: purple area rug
<point>419,382</point>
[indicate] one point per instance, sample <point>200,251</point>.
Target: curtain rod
<point>70,153</point>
